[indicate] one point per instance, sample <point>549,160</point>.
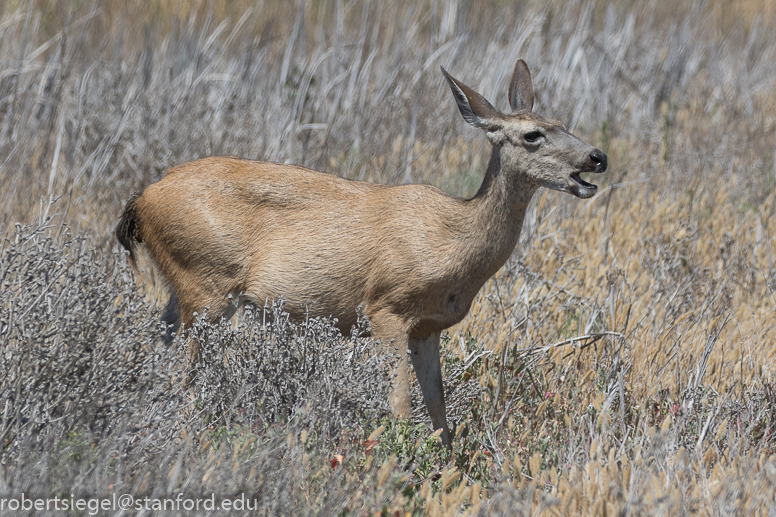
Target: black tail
<point>127,230</point>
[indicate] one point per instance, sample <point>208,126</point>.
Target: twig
<point>509,404</point>
<point>593,337</point>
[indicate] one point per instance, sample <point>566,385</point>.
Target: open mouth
<point>582,182</point>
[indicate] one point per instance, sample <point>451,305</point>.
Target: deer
<point>226,231</point>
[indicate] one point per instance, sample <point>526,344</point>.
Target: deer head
<point>531,147</point>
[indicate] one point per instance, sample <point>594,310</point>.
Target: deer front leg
<point>424,353</point>
<point>393,336</point>
<point>399,398</point>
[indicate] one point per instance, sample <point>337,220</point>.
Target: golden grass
<point>645,230</point>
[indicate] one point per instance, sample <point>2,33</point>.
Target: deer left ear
<point>521,94</point>
<point>475,109</point>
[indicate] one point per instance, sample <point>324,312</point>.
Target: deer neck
<point>497,210</point>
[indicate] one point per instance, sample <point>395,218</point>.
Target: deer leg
<point>223,309</point>
<point>399,398</point>
<point>192,349</point>
<point>171,318</point>
<point>392,334</point>
<point>424,353</point>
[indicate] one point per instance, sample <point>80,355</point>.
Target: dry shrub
<point>92,401</point>
<point>269,368</point>
<point>77,342</point>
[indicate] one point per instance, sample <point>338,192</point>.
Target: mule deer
<point>411,256</point>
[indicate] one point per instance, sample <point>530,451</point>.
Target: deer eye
<point>532,137</point>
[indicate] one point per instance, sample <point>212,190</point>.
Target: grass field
<point>623,362</point>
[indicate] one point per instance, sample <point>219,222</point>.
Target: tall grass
<point>622,361</point>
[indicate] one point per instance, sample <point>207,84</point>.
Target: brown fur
<point>411,257</point>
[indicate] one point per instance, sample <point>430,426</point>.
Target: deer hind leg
<point>424,353</point>
<point>216,310</point>
<point>171,318</point>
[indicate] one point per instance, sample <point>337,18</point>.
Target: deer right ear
<point>475,109</point>
<point>521,94</point>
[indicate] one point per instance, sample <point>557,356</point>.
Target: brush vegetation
<point>622,362</point>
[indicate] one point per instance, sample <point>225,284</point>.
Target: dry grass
<point>622,362</point>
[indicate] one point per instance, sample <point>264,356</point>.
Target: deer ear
<point>475,109</point>
<point>521,95</point>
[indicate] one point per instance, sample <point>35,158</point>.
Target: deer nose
<point>599,159</point>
